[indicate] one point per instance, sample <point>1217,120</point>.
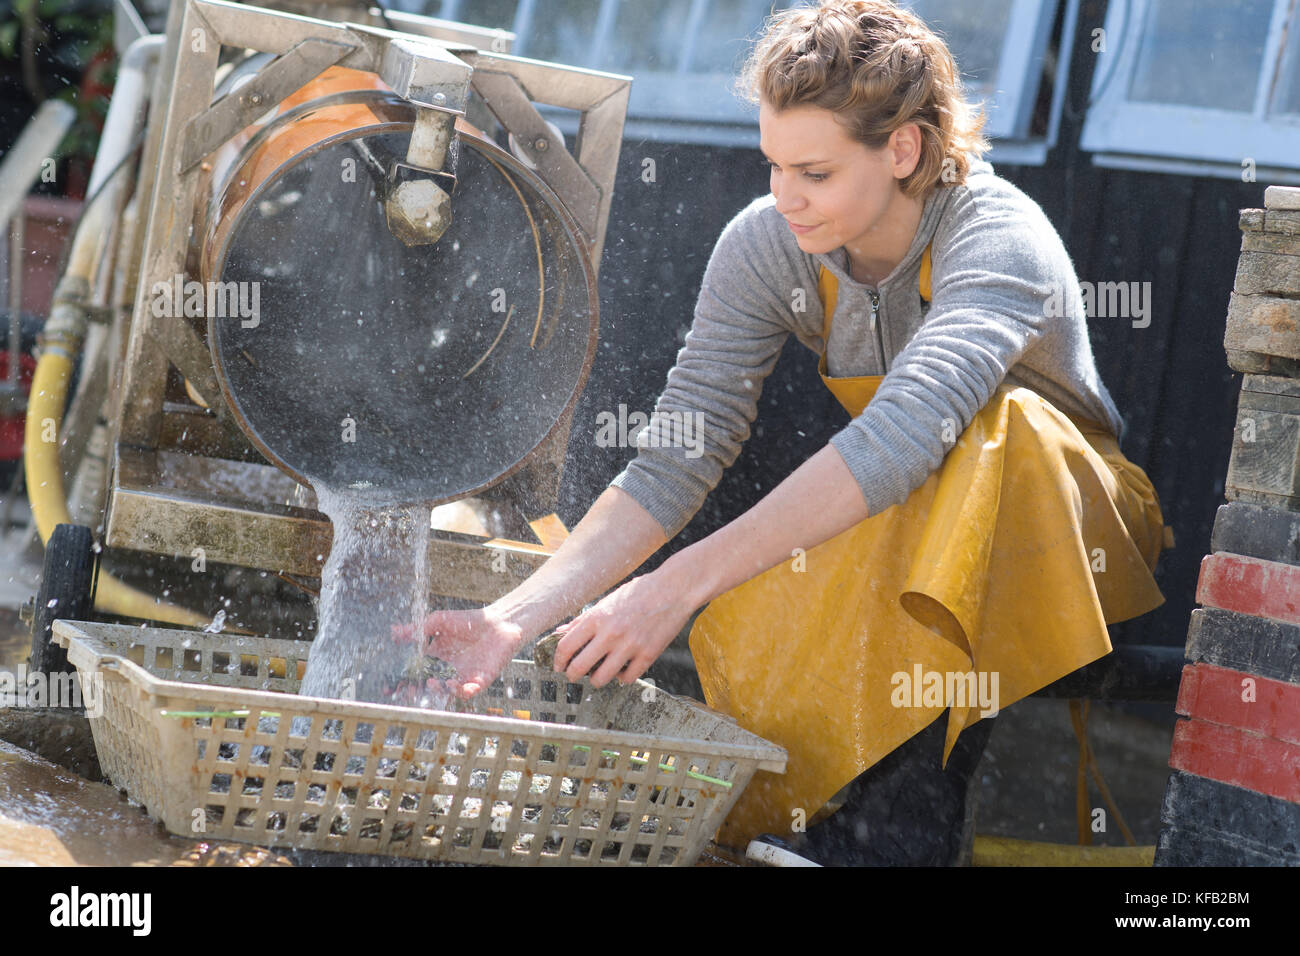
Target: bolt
<point>440,97</point>
<point>541,144</point>
<point>255,99</point>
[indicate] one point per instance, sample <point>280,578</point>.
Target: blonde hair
<point>877,67</point>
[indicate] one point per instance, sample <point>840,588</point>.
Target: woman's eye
<point>812,177</point>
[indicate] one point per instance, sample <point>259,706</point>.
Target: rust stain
<point>1278,318</point>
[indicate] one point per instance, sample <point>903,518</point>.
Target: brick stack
<point>1234,796</point>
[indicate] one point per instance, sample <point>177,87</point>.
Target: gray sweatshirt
<point>996,263</point>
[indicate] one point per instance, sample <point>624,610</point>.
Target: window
<point>999,47</point>
<point>1199,86</point>
<point>1010,56</point>
<point>684,55</point>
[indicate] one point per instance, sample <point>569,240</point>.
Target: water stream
<point>376,578</point>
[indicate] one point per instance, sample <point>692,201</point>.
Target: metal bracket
<point>426,74</point>
<point>396,173</point>
<point>239,108</point>
<point>510,105</point>
<point>601,101</point>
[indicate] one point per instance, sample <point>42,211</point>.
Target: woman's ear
<point>905,149</point>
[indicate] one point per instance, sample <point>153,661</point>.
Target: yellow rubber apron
<point>1009,561</point>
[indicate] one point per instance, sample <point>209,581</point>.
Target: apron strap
<point>924,285</point>
<point>828,290</point>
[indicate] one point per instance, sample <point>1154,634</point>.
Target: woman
<point>976,516</point>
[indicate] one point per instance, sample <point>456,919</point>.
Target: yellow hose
<point>45,490</point>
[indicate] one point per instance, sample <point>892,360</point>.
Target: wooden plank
<point>1249,585</point>
<point>1265,457</point>
<point>1233,698</point>
<point>1267,273</point>
<point>1282,221</point>
<point>1264,499</point>
<point>1282,197</point>
<point>1229,755</point>
<point>1256,363</point>
<point>1202,804</point>
<point>550,530</point>
<point>1262,388</point>
<point>1255,645</point>
<point>1277,243</point>
<point>1268,533</point>
<point>1264,324</point>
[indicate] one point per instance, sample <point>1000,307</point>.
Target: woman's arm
<point>632,626</point>
<point>612,540</point>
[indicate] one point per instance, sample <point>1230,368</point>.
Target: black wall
<point>1170,380</point>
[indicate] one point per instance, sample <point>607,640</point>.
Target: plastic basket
<point>533,771</point>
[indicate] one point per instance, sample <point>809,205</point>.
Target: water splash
<point>376,578</point>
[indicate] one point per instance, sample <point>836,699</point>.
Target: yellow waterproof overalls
<point>1010,560</point>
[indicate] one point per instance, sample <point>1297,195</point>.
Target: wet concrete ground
<point>1027,777</point>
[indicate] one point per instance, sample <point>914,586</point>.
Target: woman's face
<point>845,193</point>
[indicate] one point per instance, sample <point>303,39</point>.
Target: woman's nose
<point>788,198</point>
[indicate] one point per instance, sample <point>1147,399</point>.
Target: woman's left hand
<point>629,627</point>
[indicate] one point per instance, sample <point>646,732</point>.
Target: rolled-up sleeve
<point>704,414</point>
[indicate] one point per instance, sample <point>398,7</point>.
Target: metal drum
<point>407,373</point>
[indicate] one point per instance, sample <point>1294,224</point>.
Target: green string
<point>662,766</point>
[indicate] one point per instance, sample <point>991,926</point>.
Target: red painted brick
<point>1215,694</point>
<point>1262,764</point>
<point>1250,586</point>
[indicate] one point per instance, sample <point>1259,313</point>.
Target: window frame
<point>658,111</point>
<point>1010,103</point>
<point>1166,137</point>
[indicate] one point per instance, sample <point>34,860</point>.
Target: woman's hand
<point>629,627</point>
<point>478,643</point>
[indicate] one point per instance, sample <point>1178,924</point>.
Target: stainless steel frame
<point>161,496</point>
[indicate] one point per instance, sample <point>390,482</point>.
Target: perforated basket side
<point>528,784</point>
<point>429,789</point>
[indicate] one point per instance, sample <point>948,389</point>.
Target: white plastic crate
<point>535,770</point>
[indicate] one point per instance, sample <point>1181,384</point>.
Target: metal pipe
<point>65,330</point>
<point>15,301</point>
<point>127,110</point>
<point>23,163</point>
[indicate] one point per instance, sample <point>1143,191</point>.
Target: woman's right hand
<point>478,643</point>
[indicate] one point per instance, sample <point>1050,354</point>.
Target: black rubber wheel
<point>66,581</point>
